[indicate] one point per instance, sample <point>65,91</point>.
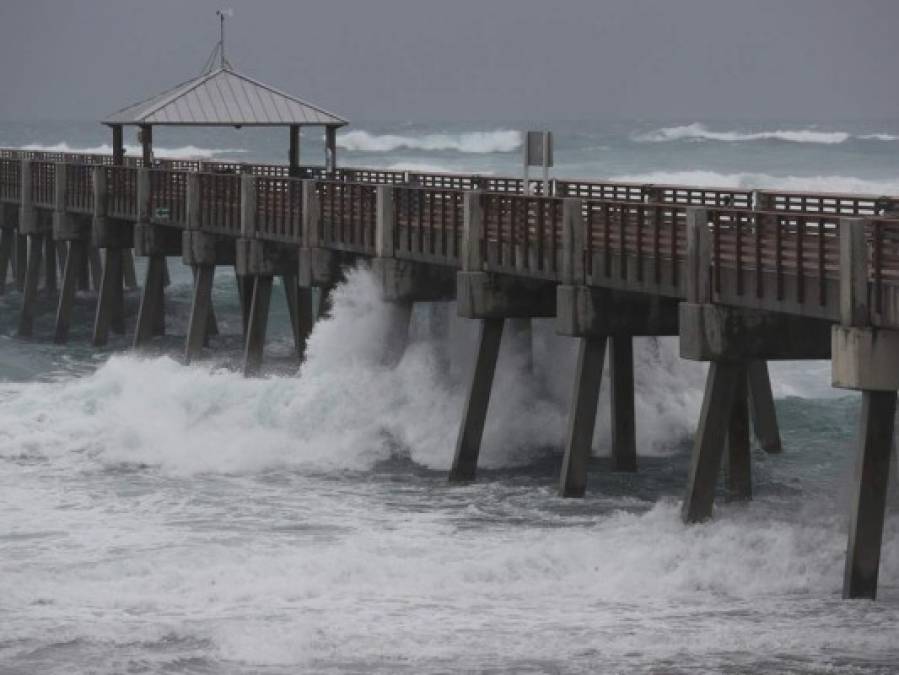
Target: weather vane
<point>220,46</point>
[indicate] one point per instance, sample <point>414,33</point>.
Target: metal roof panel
<point>223,97</point>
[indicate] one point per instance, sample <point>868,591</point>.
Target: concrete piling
<point>200,312</point>
<point>474,416</point>
<point>738,467</point>
<point>870,481</point>
<point>32,279</point>
<point>761,405</point>
<point>722,382</point>
<point>151,312</point>
<point>74,259</point>
<point>621,376</point>
<point>7,241</point>
<point>257,325</point>
<point>582,418</point>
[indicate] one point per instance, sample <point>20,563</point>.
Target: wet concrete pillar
<point>474,416</point>
<point>621,376</point>
<point>582,418</point>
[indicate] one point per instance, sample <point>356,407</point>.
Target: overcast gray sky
<point>468,59</point>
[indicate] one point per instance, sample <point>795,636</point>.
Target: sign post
<point>538,151</point>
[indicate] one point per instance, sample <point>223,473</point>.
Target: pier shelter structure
<point>219,97</point>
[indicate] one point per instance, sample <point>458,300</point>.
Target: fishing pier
<point>743,277</point>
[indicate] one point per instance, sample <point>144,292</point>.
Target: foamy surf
<point>180,152</point>
<point>217,421</point>
<point>700,132</point>
<point>481,142</point>
<point>749,180</point>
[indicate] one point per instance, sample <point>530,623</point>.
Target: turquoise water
<point>162,518</point>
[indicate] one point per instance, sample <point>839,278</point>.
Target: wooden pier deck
<point>741,276</point>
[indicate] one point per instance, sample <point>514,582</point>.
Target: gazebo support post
<point>331,148</point>
<point>118,145</point>
<point>293,155</point>
<point>146,143</point>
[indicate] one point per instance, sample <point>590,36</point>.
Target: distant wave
<point>878,137</point>
<point>699,132</point>
<point>824,183</point>
<point>501,140</point>
<point>425,167</point>
<point>182,152</point>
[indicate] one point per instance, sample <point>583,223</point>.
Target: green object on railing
<point>162,213</point>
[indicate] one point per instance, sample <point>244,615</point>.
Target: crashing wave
<point>501,140</point>
<point>699,132</point>
<point>181,152</point>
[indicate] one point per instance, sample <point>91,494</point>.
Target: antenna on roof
<point>219,49</point>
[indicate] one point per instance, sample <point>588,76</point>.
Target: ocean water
<point>162,518</point>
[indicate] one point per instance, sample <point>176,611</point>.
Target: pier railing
<point>220,203</point>
<point>428,224</point>
<point>168,197</point>
<point>121,187</point>
<point>79,190</point>
<point>279,209</point>
<point>774,248</point>
<point>10,179</point>
<point>347,213</point>
<point>635,243</point>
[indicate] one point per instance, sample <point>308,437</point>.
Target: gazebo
<point>222,97</point>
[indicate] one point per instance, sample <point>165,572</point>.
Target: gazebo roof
<point>224,97</point>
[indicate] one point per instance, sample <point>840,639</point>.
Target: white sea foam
<point>746,180</point>
<point>879,137</point>
<point>216,420</point>
<point>181,152</point>
<point>501,140</point>
<point>699,132</point>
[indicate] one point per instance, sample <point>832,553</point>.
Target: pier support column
<point>74,260</point>
<point>32,280</point>
<point>129,273</point>
<point>30,263</point>
<point>21,259</point>
<point>200,312</point>
<point>257,324</point>
<point>245,298</point>
<point>110,303</point>
<point>151,312</point>
<point>621,374</point>
<point>708,447</point>
<point>582,418</point>
<point>7,243</point>
<point>468,444</point>
<point>761,404</point>
<point>865,359</point>
<point>738,467</point>
<point>870,481</point>
<point>49,264</point>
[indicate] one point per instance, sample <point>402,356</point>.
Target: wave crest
<point>699,132</point>
<point>761,181</point>
<point>181,152</point>
<point>501,140</point>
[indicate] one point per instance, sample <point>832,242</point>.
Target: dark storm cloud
<point>467,59</point>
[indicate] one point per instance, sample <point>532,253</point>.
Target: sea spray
<point>345,410</point>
